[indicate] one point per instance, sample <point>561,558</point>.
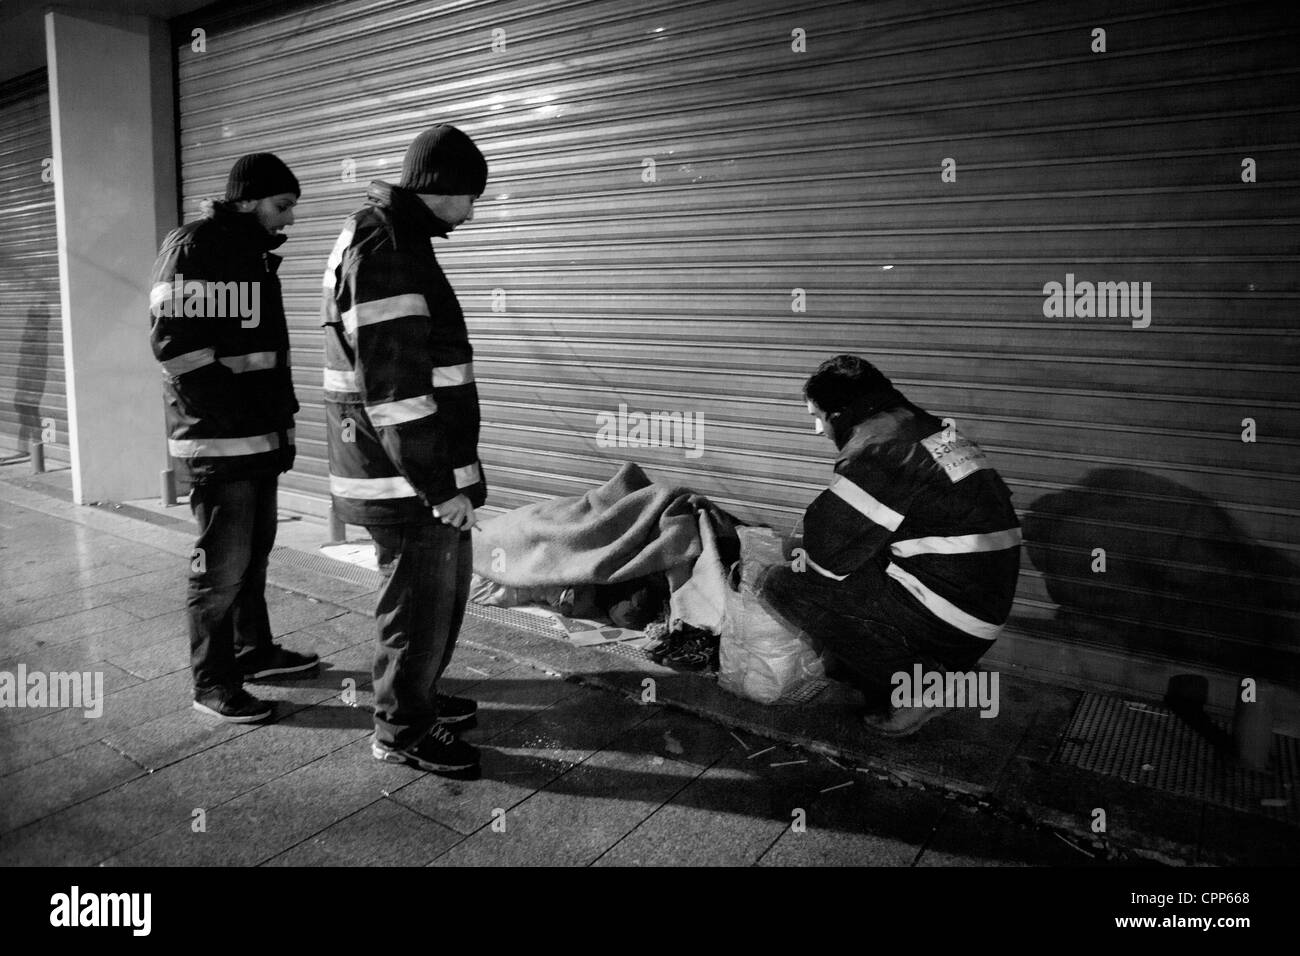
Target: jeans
<point>866,631</point>
<point>426,569</point>
<point>226,599</point>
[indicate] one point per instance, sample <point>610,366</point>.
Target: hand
<point>457,512</point>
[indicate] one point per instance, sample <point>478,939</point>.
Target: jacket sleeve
<point>186,347</point>
<point>852,521</point>
<point>386,322</point>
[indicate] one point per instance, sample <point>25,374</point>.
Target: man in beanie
<point>403,437</point>
<point>909,559</point>
<point>219,332</point>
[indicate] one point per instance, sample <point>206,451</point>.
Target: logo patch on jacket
<point>958,456</point>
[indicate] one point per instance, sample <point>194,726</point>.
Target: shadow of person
<point>1180,578</point>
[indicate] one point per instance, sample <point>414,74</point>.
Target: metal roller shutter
<point>778,170</point>
<point>32,390</point>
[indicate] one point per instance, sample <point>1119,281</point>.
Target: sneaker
<point>235,706</point>
<point>457,713</point>
<point>901,721</point>
<point>439,751</point>
<point>276,662</point>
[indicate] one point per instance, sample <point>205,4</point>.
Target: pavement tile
<point>363,603</point>
<point>318,585</point>
<point>60,659</point>
<point>110,643</point>
<point>509,776</point>
<point>869,823</point>
<point>1230,837</point>
<point>183,732</point>
<point>964,837</point>
<point>343,629</point>
<point>66,730</point>
<point>44,788</point>
<point>63,583</point>
<point>672,735</point>
<point>87,832</point>
<point>573,729</point>
<point>68,627</point>
<point>577,816</point>
<point>263,822</point>
<point>383,833</point>
<point>509,698</point>
<point>731,814</point>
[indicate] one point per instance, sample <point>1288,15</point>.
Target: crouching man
<point>909,558</point>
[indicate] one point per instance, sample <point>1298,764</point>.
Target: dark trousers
<point>426,572</point>
<point>226,599</point>
<point>866,633</point>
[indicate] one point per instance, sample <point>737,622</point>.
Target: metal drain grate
<point>512,618</point>
<point>324,564</point>
<point>1151,746</point>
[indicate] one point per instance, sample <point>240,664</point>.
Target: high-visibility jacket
<point>401,402</point>
<point>218,330</point>
<point>922,501</point>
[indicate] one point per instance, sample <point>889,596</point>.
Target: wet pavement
<point>577,768</point>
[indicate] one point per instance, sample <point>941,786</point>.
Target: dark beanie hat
<point>445,161</point>
<point>259,175</point>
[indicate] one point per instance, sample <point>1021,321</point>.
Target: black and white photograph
<point>668,434</point>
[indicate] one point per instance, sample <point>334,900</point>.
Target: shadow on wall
<point>33,370</point>
<point>1174,561</point>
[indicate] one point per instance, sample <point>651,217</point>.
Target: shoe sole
<point>282,671</point>
<point>242,719</point>
<point>468,722</point>
<point>397,756</point>
<point>908,731</point>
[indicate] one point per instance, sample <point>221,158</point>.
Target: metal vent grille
<point>326,565</point>
<point>1151,746</point>
<point>512,618</point>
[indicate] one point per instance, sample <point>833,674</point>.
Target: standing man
<point>403,436</point>
<point>219,331</point>
<point>913,552</point>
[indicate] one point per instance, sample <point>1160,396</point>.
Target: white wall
<point>114,194</point>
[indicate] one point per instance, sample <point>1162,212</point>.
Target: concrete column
<point>115,195</point>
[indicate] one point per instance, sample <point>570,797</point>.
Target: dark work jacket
<point>923,503</point>
<point>219,332</point>
<point>400,398</point>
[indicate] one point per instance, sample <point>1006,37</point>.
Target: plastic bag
<point>759,657</point>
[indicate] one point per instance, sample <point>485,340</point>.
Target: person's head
<point>261,185</point>
<point>444,167</point>
<point>840,392</point>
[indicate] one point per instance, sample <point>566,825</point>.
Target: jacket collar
<point>406,208</point>
<point>243,227</point>
<point>846,427</point>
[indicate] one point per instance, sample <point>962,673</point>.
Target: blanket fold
<point>628,528</point>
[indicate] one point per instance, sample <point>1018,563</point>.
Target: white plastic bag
<point>758,656</point>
